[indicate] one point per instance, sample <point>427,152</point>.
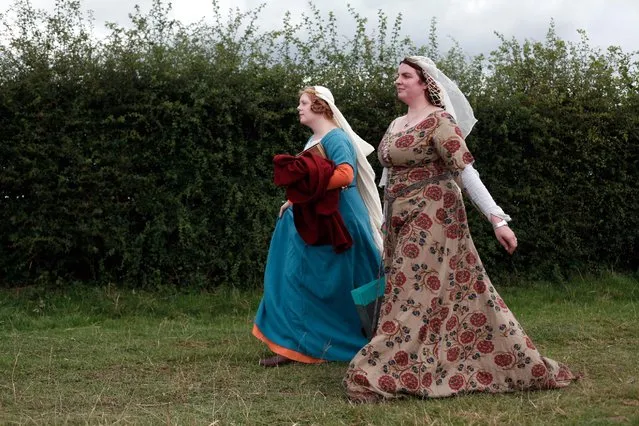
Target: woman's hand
<point>504,234</point>
<point>506,238</point>
<point>285,206</point>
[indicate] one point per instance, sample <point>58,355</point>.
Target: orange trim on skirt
<point>288,353</point>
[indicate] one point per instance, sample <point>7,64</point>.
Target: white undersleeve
<point>479,195</point>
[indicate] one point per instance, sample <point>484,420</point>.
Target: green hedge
<point>144,158</point>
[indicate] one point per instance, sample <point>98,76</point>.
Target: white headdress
<point>365,173</point>
<point>454,101</point>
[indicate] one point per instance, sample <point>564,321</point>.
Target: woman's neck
<point>418,108</point>
<point>320,129</point>
<point>417,111</point>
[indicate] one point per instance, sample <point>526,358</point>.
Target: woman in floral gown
<point>443,328</point>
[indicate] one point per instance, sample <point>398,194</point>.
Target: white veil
<point>365,173</point>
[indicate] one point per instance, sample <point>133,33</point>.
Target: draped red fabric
<point>315,208</point>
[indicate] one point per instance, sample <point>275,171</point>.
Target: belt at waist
<point>389,198</point>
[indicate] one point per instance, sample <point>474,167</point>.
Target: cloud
<point>472,23</point>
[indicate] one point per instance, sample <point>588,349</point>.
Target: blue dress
<point>307,308</point>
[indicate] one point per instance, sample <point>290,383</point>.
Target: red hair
<point>318,106</point>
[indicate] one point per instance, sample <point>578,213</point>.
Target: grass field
<point>109,356</point>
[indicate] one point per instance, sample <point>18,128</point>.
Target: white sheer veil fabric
<point>455,103</point>
<point>365,173</point>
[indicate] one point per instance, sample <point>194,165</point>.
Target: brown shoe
<point>274,361</point>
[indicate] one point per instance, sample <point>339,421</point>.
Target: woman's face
<point>408,84</point>
<point>307,117</point>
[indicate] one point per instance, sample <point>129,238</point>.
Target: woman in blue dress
<point>307,313</point>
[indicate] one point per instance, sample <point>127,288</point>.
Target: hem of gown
<point>364,395</point>
<point>280,350</point>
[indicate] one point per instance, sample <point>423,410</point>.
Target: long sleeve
<point>458,160</point>
<point>479,195</point>
<point>342,176</point>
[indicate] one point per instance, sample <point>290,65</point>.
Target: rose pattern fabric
<point>443,328</point>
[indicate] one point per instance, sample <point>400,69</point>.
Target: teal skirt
<point>307,306</point>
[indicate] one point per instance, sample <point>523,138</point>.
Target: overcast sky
<point>471,22</point>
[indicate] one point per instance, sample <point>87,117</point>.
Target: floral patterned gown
<point>443,328</point>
